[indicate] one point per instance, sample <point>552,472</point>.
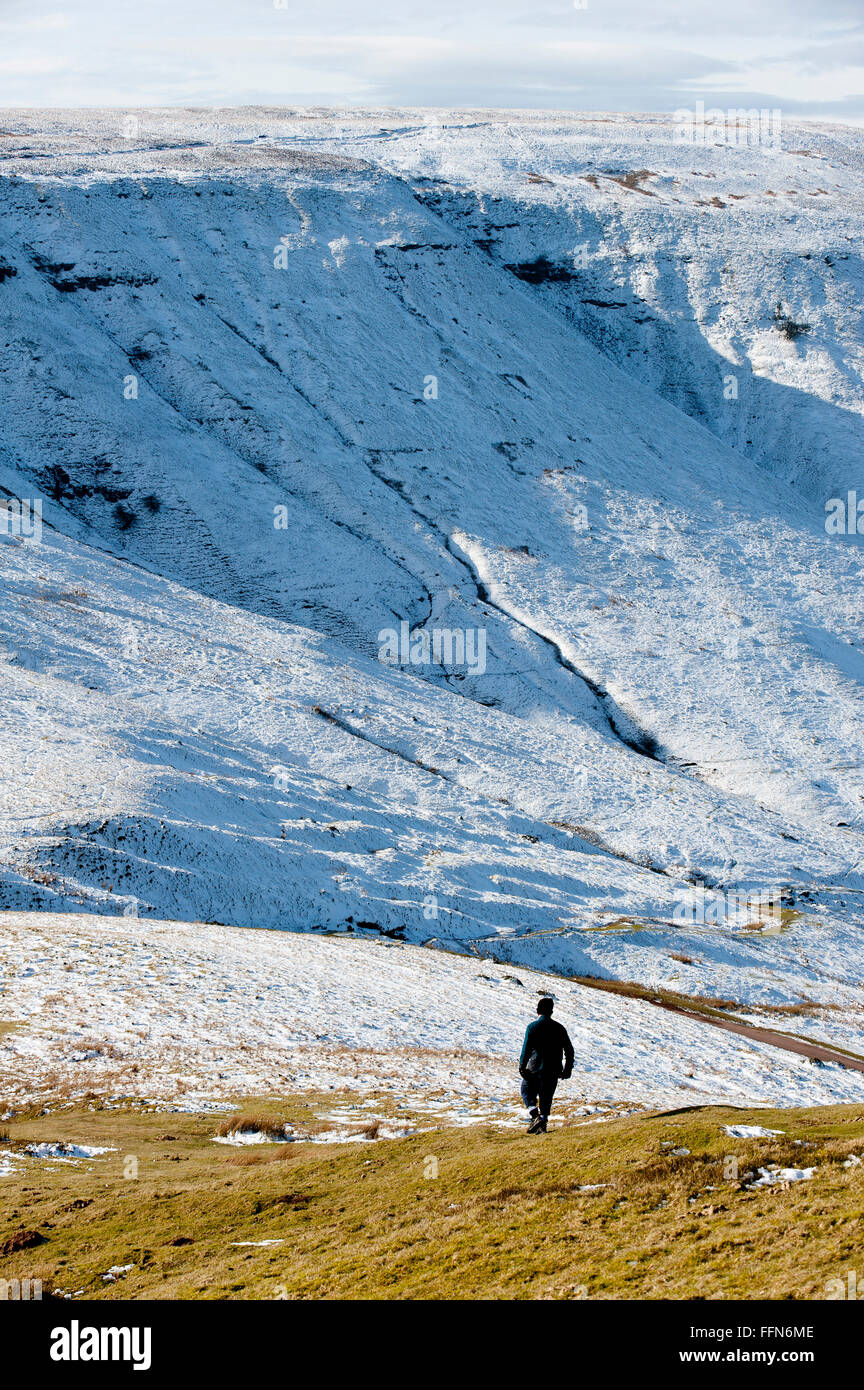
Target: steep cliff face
<point>725,275</point>
<point>406,563</point>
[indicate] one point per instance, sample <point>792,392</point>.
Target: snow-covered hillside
<point>287,381</point>
<point>187,1014</point>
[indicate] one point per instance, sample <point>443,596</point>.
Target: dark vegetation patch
<point>58,485</point>
<point>22,1240</point>
<point>124,516</point>
<point>542,271</point>
<point>787,325</point>
<point>58,274</point>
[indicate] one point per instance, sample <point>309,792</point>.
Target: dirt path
<point>819,1051</point>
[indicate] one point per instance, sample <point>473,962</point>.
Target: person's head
<point>545,1007</point>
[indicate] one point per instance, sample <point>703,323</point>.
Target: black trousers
<point>538,1090</point>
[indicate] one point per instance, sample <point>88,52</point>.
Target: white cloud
<point>615,54</point>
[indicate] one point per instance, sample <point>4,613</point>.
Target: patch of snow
<point>769,1176</point>
<point>751,1132</point>
<point>239,1137</point>
<point>256,1242</point>
<point>65,1153</point>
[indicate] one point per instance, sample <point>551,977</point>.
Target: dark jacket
<point>547,1050</point>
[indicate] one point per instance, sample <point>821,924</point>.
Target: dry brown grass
<point>252,1124</point>
<point>805,1008</point>
<point>629,989</point>
<point>369,1131</point>
<point>608,1207</point>
<point>248,1158</point>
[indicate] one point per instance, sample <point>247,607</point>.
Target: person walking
<point>547,1058</point>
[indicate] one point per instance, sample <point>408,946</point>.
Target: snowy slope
<point>197,722</point>
<point>179,1013</point>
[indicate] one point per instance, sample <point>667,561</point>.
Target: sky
<point>804,56</point>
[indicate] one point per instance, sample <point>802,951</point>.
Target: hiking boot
<point>541,1127</point>
<point>537,1125</point>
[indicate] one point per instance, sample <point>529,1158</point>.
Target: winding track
<point>818,1052</point>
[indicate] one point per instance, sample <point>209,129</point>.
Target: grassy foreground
<point>503,1218</point>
